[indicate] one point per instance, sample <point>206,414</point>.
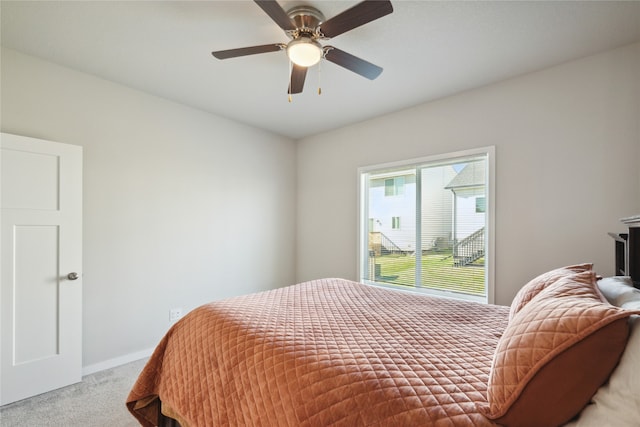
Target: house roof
<point>472,175</point>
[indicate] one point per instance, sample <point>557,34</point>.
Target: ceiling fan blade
<point>360,14</point>
<point>277,13</point>
<point>243,51</point>
<point>352,63</point>
<point>298,74</point>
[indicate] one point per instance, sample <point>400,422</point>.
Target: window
<point>394,186</point>
<point>395,222</point>
<point>444,246</point>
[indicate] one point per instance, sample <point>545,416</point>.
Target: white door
<point>41,236</point>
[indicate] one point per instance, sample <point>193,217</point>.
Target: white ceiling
<point>428,50</point>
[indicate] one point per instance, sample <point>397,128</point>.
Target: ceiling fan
<point>305,26</point>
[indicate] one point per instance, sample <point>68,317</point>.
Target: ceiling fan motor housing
<point>306,20</point>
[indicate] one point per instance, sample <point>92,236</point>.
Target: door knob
<point>72,276</point>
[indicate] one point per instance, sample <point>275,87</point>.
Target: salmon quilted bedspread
<point>320,353</point>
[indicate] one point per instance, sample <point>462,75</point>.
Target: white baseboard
<point>117,361</point>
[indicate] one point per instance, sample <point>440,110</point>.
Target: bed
<point>341,353</point>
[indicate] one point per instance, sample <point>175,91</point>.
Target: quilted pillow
<point>614,403</point>
<point>555,353</point>
<point>533,288</point>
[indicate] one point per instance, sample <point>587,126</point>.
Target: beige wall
<point>180,207</point>
<point>567,149</point>
<point>168,190</point>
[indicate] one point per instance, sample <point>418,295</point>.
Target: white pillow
<point>617,403</point>
<point>629,299</point>
<point>632,304</point>
<point>618,290</point>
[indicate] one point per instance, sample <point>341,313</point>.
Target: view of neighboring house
<point>469,201</point>
<point>452,206</point>
<point>392,212</point>
<point>469,213</point>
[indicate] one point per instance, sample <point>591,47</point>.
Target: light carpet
<point>97,401</point>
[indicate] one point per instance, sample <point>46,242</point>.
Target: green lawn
<point>438,272</point>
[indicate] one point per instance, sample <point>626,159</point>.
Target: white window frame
<point>362,249</point>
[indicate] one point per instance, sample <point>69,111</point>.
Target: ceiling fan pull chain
<point>319,74</point>
<point>290,80</point>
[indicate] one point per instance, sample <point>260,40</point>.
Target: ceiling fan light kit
<point>304,51</point>
<point>305,26</point>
